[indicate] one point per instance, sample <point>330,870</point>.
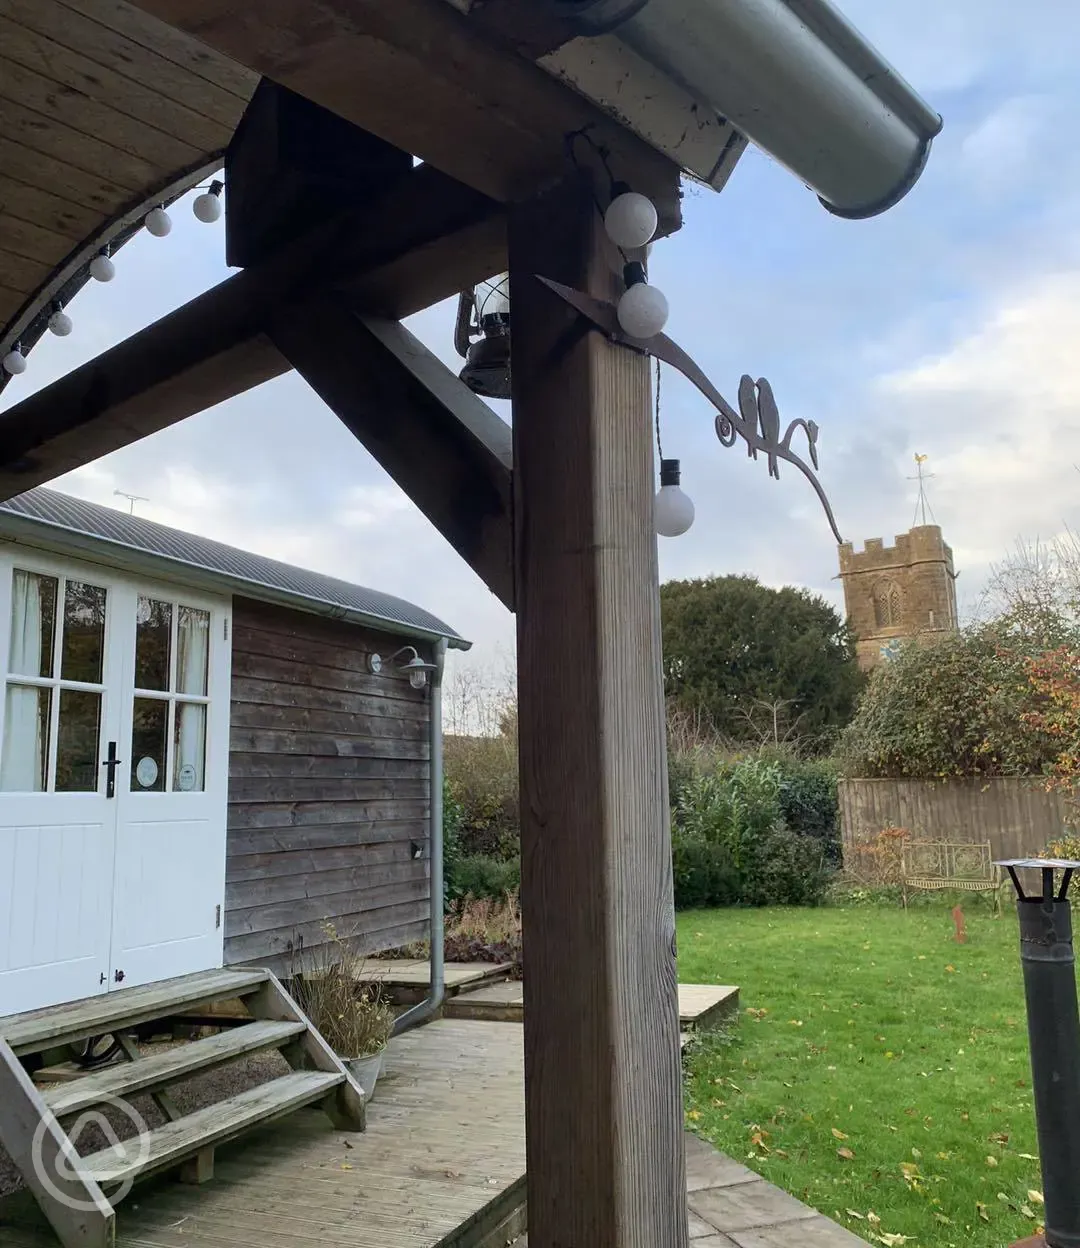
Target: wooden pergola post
<point>603,1085</point>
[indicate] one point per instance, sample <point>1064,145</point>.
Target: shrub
<point>809,803</point>
<point>479,876</point>
<point>482,776</point>
<point>485,930</point>
<point>956,706</point>
<point>731,845</point>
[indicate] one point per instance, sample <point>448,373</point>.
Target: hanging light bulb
<point>673,510</point>
<point>158,222</point>
<point>15,361</point>
<point>60,322</point>
<point>643,310</point>
<point>631,218</point>
<point>207,206</point>
<point>102,268</point>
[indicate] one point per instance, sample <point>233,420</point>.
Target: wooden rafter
<point>445,447</point>
<point>431,81</point>
<point>426,238</point>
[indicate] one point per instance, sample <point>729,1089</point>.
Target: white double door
<point>113,780</point>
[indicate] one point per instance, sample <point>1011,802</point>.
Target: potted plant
<point>353,1015</point>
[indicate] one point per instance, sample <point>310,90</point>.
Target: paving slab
<point>819,1232</point>
<point>747,1206</point>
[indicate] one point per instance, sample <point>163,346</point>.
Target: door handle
<point>110,764</point>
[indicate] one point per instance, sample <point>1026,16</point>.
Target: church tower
<point>893,592</point>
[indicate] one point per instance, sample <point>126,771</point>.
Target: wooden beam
<point>602,1070</point>
<point>444,446</point>
<point>425,239</point>
<point>430,80</point>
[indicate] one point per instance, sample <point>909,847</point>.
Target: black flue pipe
<point>1048,962</point>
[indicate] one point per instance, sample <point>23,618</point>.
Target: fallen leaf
<point>1027,1211</point>
<point>980,1209</point>
<point>839,1135</point>
<point>846,1154</point>
<point>853,1213</point>
<point>694,1115</point>
<point>872,1218</point>
<point>1027,1156</point>
<point>892,1241</point>
<point>991,1161</point>
<point>346,1166</point>
<point>1035,1196</point>
<point>999,1137</point>
<point>950,969</point>
<point>909,1169</point>
<point>779,1152</point>
<point>943,1219</point>
<point>916,1154</point>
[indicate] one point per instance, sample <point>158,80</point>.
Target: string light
<point>207,207</point>
<point>643,310</point>
<point>14,362</point>
<point>102,268</point>
<point>631,218</point>
<point>673,509</point>
<point>158,222</point>
<point>60,323</point>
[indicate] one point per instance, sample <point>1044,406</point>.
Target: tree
<point>960,705</point>
<point>757,663</point>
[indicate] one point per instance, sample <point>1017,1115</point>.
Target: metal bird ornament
<point>757,421</point>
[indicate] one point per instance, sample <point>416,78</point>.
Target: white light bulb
<point>673,511</point>
<point>643,311</point>
<point>60,323</point>
<point>207,207</point>
<point>14,362</point>
<point>158,222</point>
<point>630,220</point>
<point>102,268</point>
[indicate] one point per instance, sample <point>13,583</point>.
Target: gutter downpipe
<point>430,1006</point>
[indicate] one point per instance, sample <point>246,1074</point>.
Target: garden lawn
<point>879,1069</point>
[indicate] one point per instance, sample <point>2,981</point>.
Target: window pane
<point>25,754</point>
<point>83,644</point>
<point>33,620</point>
<point>153,640</point>
<point>189,748</point>
<point>148,738</point>
<point>78,742</point>
<point>192,650</point>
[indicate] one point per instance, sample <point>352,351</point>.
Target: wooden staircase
<point>40,1128</point>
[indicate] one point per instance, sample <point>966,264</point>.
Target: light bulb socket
<point>620,188</point>
<point>216,187</point>
<point>634,274</point>
<point>670,472</point>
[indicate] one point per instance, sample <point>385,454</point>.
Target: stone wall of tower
<point>899,591</point>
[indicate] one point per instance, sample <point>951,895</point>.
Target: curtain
<point>22,764</point>
<point>192,661</point>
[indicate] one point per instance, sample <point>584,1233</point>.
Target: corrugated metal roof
<point>250,574</point>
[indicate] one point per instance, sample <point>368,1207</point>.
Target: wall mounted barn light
<point>485,310</point>
<point>795,77</point>
<point>416,667</point>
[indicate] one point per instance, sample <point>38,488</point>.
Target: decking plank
<point>158,1069</point>
<point>93,1016</point>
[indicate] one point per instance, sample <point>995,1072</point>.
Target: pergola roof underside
<point>101,106</point>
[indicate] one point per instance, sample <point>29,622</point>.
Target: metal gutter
<point>431,1005</point>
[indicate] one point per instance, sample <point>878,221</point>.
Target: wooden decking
<point>443,1159</point>
<point>441,1165</point>
<point>701,1006</point>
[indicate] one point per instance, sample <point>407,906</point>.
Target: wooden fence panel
<point>1016,815</point>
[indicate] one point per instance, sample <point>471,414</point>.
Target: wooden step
<point>96,1016</point>
<point>157,1070</point>
<point>217,1124</point>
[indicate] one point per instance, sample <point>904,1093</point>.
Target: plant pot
<point>365,1070</point>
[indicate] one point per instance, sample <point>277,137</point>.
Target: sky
<point>949,326</point>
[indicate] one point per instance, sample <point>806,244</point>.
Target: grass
<point>879,1070</point>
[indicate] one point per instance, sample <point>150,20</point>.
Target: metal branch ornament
<point>758,420</point>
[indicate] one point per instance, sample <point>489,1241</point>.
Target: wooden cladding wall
<point>1017,816</point>
<point>328,789</point>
